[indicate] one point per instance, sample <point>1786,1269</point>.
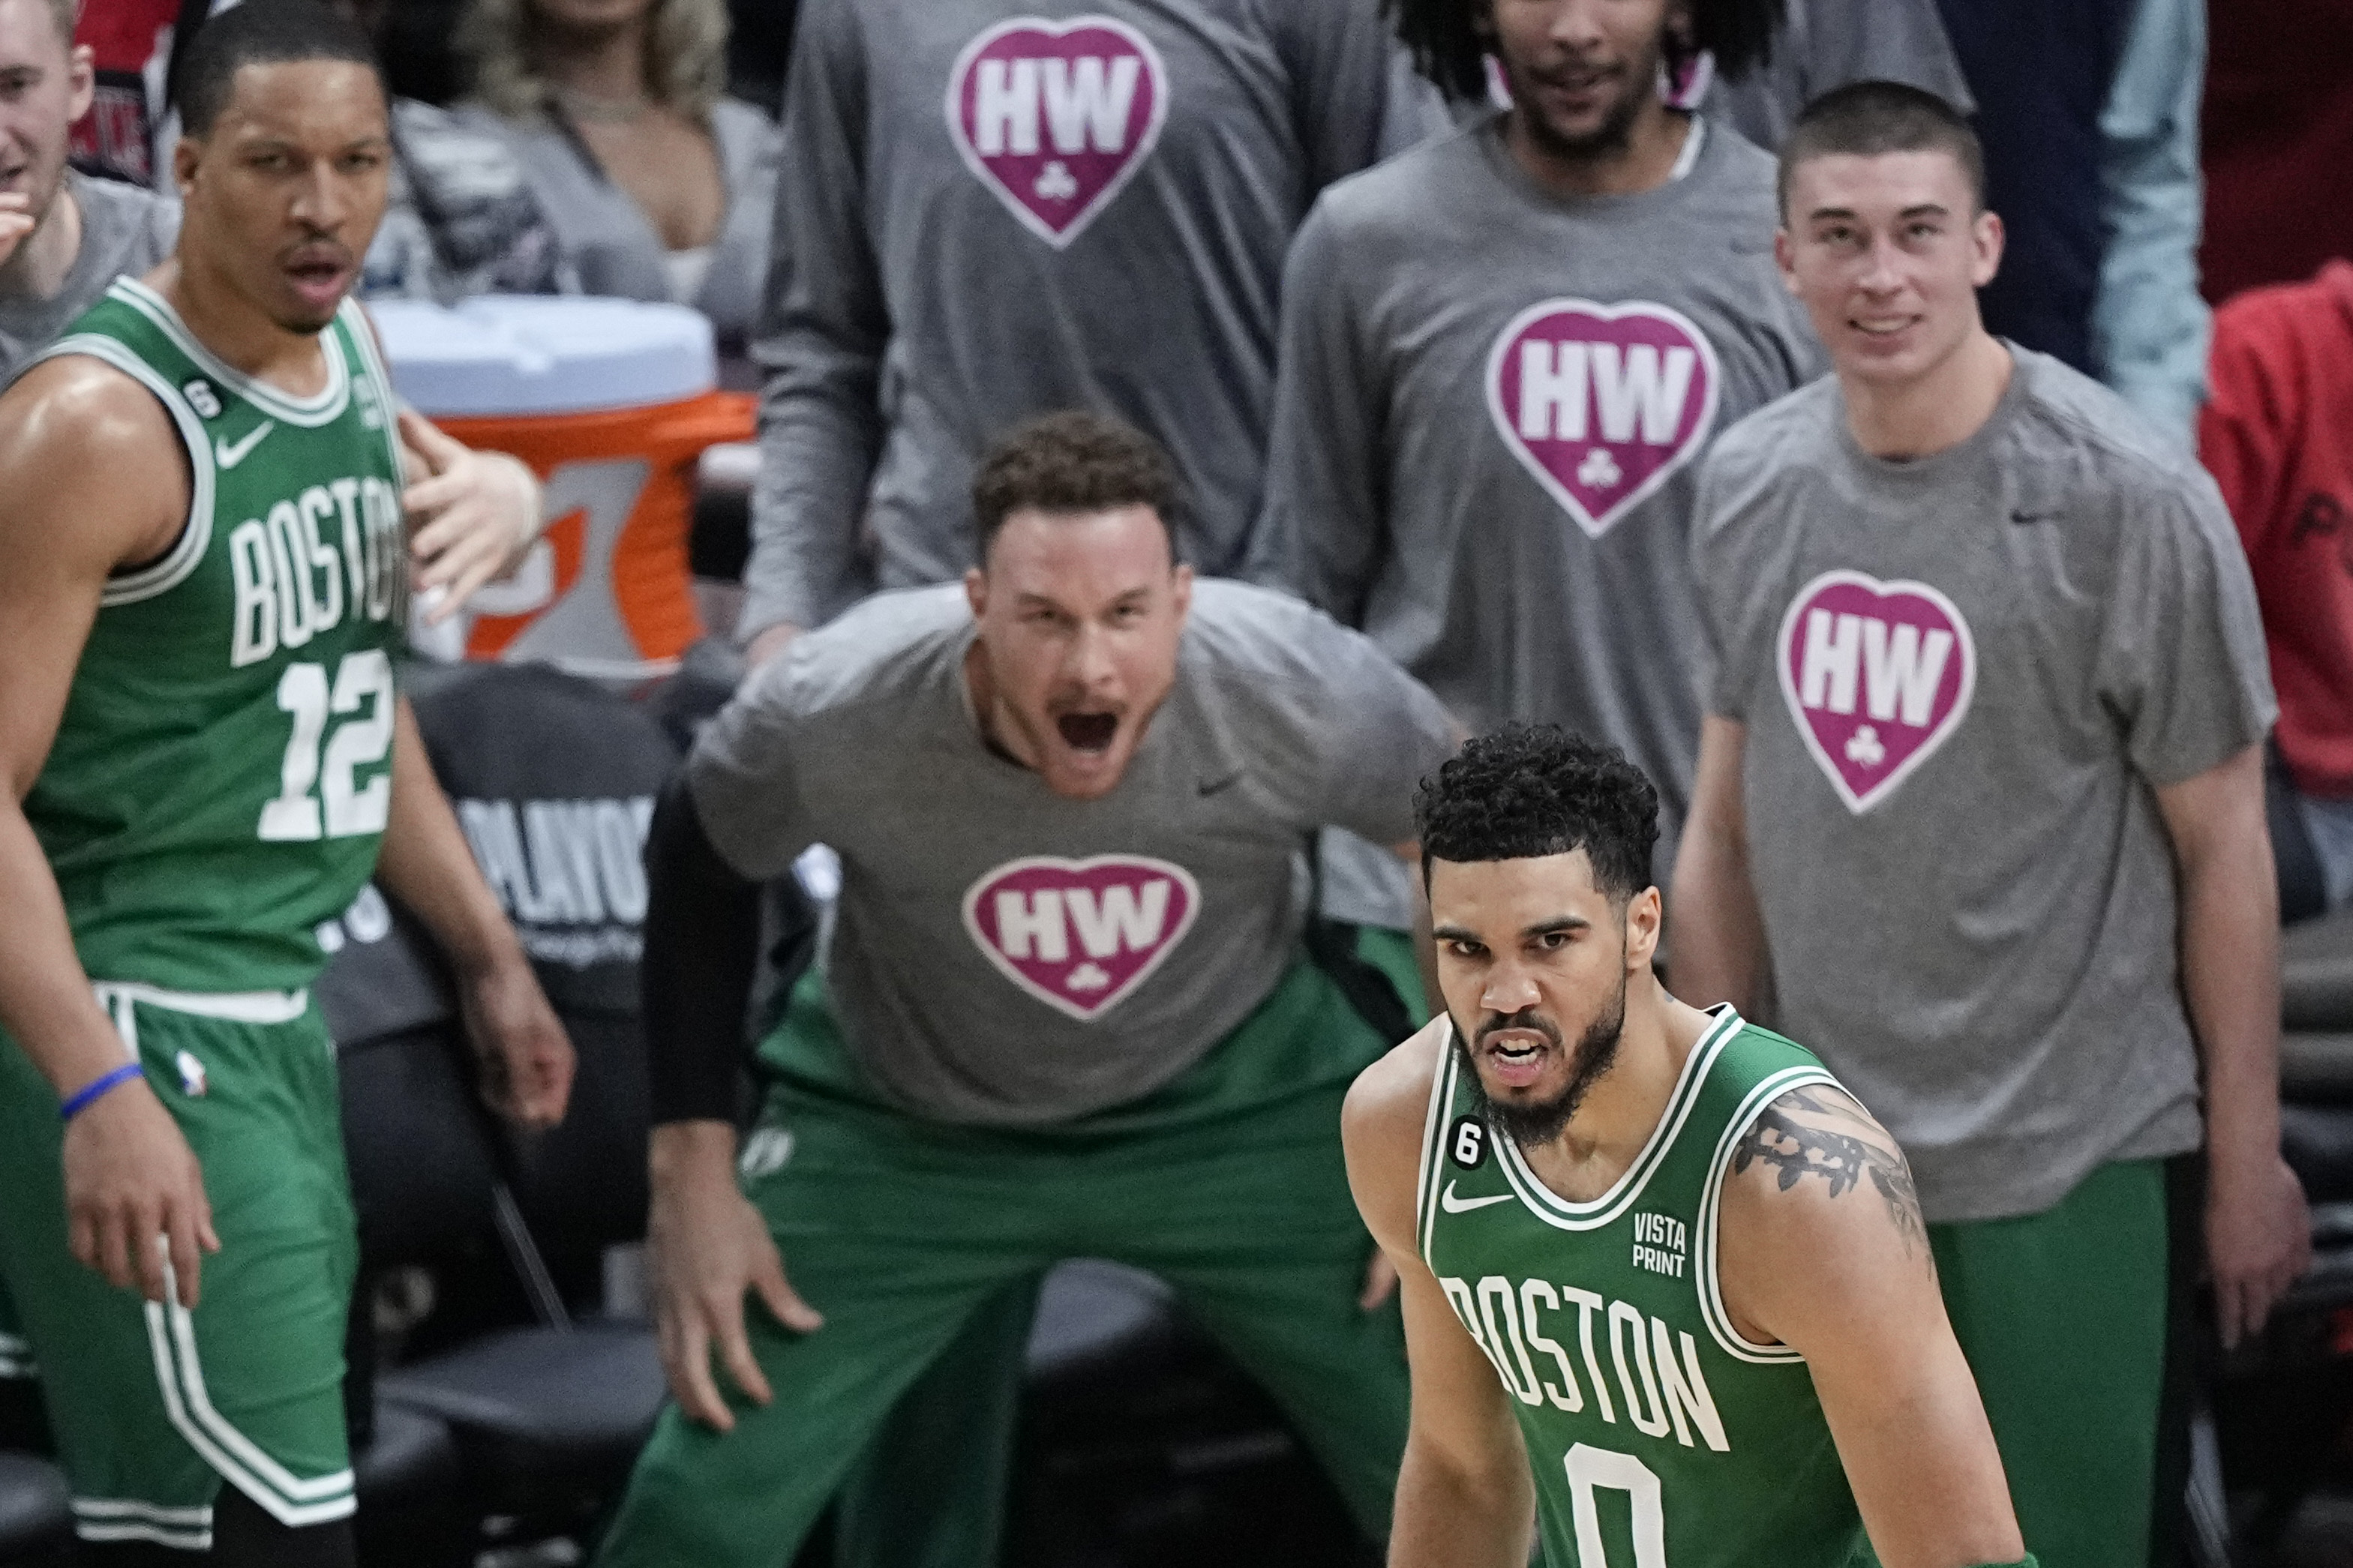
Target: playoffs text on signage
<point>1602,403</point>
<point>1876,675</point>
<point>1056,117</point>
<point>1081,935</point>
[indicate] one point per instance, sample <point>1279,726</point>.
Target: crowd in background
<point>1277,318</point>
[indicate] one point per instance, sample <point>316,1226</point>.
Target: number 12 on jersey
<point>362,689</point>
<point>1589,1470</point>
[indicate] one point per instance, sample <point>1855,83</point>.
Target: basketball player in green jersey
<point>1665,1241</point>
<point>203,584</point>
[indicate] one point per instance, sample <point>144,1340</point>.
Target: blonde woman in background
<point>660,187</point>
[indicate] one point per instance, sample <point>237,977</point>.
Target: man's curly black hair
<point>1530,790</point>
<point>1448,45</point>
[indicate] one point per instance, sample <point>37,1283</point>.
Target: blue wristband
<point>91,1090</point>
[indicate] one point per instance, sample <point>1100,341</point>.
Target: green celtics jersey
<point>221,774</point>
<point>1660,1437</point>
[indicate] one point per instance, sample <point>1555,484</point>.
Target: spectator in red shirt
<point>2278,435</point>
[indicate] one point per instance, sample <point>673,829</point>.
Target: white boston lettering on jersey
<point>1081,935</point>
<point>312,561</point>
<point>1876,676</point>
<point>1658,1367</point>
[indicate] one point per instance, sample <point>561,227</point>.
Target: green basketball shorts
<point>154,1406</point>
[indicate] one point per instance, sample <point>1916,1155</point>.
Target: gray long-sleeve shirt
<point>982,216</point>
<point>1490,403</point>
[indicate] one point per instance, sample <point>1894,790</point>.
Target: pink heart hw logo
<point>1080,935</point>
<point>1877,675</point>
<point>1602,403</point>
<point>1056,117</point>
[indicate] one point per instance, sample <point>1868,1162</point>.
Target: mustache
<point>1526,1018</point>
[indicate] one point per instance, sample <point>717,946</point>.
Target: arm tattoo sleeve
<point>1789,1136</point>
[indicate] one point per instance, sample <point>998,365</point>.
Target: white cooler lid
<point>516,353</point>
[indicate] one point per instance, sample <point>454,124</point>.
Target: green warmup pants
<point>916,1239</point>
<point>2063,1316</point>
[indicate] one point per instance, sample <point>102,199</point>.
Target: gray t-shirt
<point>1962,680</point>
<point>1002,955</point>
<point>1490,404</point>
<point>989,211</point>
<point>1825,44</point>
<point>124,229</point>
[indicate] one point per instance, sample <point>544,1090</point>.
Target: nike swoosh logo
<point>2032,517</point>
<point>1453,1205</point>
<point>228,455</point>
<point>1218,786</point>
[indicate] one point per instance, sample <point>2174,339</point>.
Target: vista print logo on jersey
<point>1056,117</point>
<point>1602,403</point>
<point>1080,935</point>
<point>1877,675</point>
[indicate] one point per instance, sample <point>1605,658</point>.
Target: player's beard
<point>1531,1123</point>
<point>1614,135</point>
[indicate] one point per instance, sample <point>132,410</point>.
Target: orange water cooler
<point>612,402</point>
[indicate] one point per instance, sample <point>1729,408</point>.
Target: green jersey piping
<point>1559,1212</point>
<point>355,321</point>
<point>1441,1095</point>
<point>187,552</point>
<point>321,408</point>
<point>1710,1208</point>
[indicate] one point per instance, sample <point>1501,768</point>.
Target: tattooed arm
<point>1823,1249</point>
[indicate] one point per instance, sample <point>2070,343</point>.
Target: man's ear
<point>82,74</point>
<point>1644,913</point>
<point>976,591</point>
<point>186,153</point>
<point>1987,238</point>
<point>1182,594</point>
<point>1785,257</point>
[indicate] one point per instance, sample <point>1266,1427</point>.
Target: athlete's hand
<point>16,221</point>
<point>772,641</point>
<point>1380,1281</point>
<point>2258,1241</point>
<point>706,1246</point>
<point>525,1056</point>
<point>473,515</point>
<point>131,1179</point>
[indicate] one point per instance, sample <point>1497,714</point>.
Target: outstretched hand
<point>473,515</point>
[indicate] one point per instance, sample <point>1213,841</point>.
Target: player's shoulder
<point>1785,433</point>
<point>1393,197</point>
<point>881,650</point>
<point>1733,172</point>
<point>1239,634</point>
<point>2080,450</point>
<point>1812,1162</point>
<point>72,406</point>
<point>1387,1107</point>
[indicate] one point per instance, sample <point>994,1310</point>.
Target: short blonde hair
<point>686,57</point>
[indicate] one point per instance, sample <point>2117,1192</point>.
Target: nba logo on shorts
<point>1877,676</point>
<point>1602,403</point>
<point>1080,935</point>
<point>1055,118</point>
